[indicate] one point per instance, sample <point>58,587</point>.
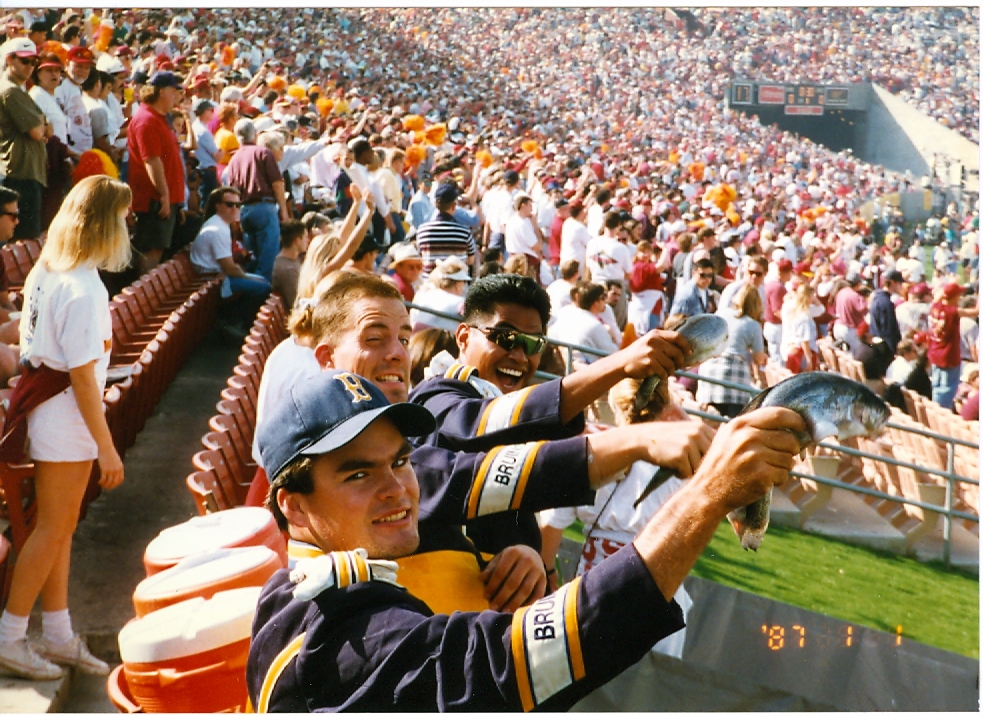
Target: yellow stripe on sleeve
<point>276,669</point>
<point>517,410</point>
<point>479,482</point>
<point>524,475</point>
<point>573,630</point>
<point>483,423</point>
<point>341,568</point>
<point>519,656</point>
<point>362,569</point>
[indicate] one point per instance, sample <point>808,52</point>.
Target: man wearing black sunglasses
<point>23,155</point>
<point>483,400</point>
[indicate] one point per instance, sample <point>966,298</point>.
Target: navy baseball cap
<point>326,412</point>
<point>446,192</point>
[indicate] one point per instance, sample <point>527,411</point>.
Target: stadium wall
<point>898,136</point>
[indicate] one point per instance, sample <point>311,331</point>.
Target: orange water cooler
<point>241,527</point>
<point>190,656</point>
<point>204,575</point>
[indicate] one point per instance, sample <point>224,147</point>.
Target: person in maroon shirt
<point>156,169</point>
<point>556,229</point>
<point>850,307</point>
<point>774,297</point>
<point>943,343</point>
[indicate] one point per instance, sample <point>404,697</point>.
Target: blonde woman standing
<point>66,328</point>
<point>799,312</point>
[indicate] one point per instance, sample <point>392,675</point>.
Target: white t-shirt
<point>439,300</point>
<point>65,323</point>
<point>573,242</point>
<point>579,327</point>
<point>520,236</point>
<point>213,242</point>
<point>595,220</point>
<point>69,98</point>
<point>288,364</point>
<point>56,118</point>
<point>608,258</point>
<point>559,293</point>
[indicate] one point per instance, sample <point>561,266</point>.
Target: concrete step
<point>965,547</point>
<point>846,517</point>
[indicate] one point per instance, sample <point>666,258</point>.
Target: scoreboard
<point>802,99</point>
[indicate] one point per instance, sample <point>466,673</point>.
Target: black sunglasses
<point>233,204</point>
<point>508,338</point>
<point>706,275</point>
<point>15,214</point>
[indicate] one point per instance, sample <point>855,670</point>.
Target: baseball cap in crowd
<point>326,412</point>
<point>20,46</point>
<point>920,289</point>
<point>200,106</point>
<point>893,275</point>
<point>447,192</point>
<point>165,79</point>
<point>785,265</point>
<point>403,251</point>
<point>109,64</point>
<point>81,55</point>
<point>560,203</point>
<point>511,176</point>
<point>124,51</point>
<point>453,268</point>
<point>951,290</point>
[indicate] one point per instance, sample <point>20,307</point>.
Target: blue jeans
<point>261,228</point>
<point>253,286</point>
<point>945,381</point>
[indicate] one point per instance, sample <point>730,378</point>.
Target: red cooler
<point>241,527</point>
<point>202,575</point>
<point>191,656</point>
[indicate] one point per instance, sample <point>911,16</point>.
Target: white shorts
<point>57,432</point>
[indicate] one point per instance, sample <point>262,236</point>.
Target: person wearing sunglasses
<point>695,296</point>
<point>23,156</point>
<point>484,399</point>
<point>211,252</point>
<point>756,268</point>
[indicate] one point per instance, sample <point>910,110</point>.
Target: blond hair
<point>800,299</point>
<point>90,227</point>
<point>747,302</point>
<point>322,249</point>
<point>301,321</point>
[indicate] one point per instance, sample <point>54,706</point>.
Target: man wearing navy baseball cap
<point>321,447</point>
<point>339,632</point>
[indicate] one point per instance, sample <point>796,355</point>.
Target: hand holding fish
<point>679,445</point>
<point>749,455</point>
<point>658,352</point>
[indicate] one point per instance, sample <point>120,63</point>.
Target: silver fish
<point>830,405</point>
<point>707,335</point>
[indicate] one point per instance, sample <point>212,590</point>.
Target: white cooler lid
<point>207,532</point>
<point>200,570</point>
<point>190,627</point>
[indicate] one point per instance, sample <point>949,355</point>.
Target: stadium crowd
<point>589,151</point>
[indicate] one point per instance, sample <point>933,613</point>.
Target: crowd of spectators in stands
<point>600,150</point>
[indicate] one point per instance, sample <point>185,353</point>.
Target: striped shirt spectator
<point>443,237</point>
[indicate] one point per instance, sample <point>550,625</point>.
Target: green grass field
<point>932,604</point>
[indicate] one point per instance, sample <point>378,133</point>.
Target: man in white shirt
<point>69,98</point>
<point>211,252</point>
<point>522,236</point>
<point>595,215</point>
<point>610,260</point>
<point>207,149</point>
<point>559,290</point>
<point>574,236</point>
<point>497,206</point>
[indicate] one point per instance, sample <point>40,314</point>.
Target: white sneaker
<point>20,658</point>
<point>73,653</point>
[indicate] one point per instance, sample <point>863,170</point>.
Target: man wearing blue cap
<point>443,236</point>
<point>339,632</point>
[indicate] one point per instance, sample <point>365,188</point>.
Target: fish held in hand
<point>707,336</point>
<point>830,405</point>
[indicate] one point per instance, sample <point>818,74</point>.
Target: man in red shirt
<point>943,343</point>
<point>850,307</point>
<point>774,297</point>
<point>556,230</point>
<point>156,169</point>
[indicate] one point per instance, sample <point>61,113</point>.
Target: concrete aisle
<point>107,554</point>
